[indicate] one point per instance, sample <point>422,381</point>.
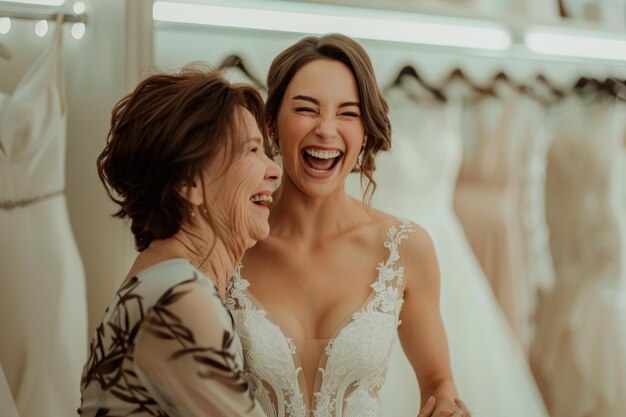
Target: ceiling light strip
<point>582,44</point>
<point>414,29</point>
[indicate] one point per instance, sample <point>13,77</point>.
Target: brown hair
<point>346,50</point>
<point>162,136</point>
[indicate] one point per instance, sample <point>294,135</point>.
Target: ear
<point>192,192</point>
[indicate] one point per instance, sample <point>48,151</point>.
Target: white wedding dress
<point>416,180</point>
<point>579,352</point>
<point>354,363</point>
<point>43,312</point>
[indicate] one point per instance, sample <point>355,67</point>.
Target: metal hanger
<point>410,71</point>
<point>458,74</point>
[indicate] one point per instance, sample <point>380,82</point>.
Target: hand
<point>447,408</point>
<point>428,408</point>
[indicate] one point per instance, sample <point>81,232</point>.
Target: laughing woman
<point>317,304</point>
<point>185,163</point>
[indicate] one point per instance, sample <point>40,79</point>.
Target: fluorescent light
<point>409,28</point>
<point>37,2</point>
<point>576,43</point>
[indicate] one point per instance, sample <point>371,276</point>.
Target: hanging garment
<point>416,179</point>
<point>354,361</point>
<point>579,352</point>
<point>488,198</point>
<point>538,259</point>
<point>43,313</point>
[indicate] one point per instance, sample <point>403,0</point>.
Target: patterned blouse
<point>166,347</point>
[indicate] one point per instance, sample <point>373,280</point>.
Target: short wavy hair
<point>162,136</point>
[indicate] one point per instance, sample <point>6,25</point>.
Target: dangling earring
<point>359,159</point>
<point>274,149</point>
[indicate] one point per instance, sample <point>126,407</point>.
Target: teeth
<point>322,154</point>
<point>264,198</point>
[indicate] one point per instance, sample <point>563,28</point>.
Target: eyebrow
<point>255,139</point>
<point>317,103</point>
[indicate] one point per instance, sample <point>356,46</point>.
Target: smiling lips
<point>262,199</point>
<point>321,160</point>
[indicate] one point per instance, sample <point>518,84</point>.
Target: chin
<point>260,233</point>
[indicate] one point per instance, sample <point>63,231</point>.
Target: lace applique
<point>280,371</point>
<point>354,362</point>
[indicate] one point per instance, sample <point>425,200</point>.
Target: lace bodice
<point>354,362</point>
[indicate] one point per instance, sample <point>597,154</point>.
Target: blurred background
<point>509,146</point>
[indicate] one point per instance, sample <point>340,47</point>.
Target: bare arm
<point>422,332</point>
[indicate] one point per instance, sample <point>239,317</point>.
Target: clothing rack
<point>32,14</point>
<point>610,86</point>
<point>24,15</point>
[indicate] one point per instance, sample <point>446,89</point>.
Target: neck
<point>214,257</point>
<point>296,215</point>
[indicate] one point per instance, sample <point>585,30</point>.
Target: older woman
<point>185,162</point>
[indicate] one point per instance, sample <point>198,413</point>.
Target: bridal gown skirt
<point>43,318</point>
<point>490,370</point>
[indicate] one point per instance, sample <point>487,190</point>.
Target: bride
<point>318,304</point>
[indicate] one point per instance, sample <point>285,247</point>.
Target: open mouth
<point>321,161</point>
<point>262,199</point>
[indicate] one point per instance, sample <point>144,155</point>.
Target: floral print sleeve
<point>166,347</point>
<point>192,367</point>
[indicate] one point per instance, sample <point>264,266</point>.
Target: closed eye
<point>306,110</point>
<point>350,114</point>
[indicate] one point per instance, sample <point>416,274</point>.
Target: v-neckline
<point>323,359</point>
<point>343,324</point>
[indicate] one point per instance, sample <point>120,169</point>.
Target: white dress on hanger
<point>416,179</point>
<point>43,313</point>
<point>539,269</point>
<point>488,197</point>
<point>579,352</point>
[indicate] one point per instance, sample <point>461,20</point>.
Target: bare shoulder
<point>416,240</point>
<point>416,248</point>
<point>419,243</point>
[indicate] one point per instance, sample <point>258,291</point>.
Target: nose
<point>273,172</point>
<point>326,129</point>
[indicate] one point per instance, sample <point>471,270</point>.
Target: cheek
<point>294,128</point>
<point>237,186</point>
<point>353,131</point>
<point>241,183</point>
